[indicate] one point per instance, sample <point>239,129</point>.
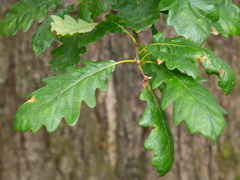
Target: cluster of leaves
<point>171,63</point>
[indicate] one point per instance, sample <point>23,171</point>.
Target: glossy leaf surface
<point>191,18</point>
<point>184,55</point>
<point>68,54</point>
<point>160,140</point>
<point>138,14</point>
<point>62,97</point>
<point>229,21</point>
<point>193,103</point>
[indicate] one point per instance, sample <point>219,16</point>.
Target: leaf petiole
<point>124,61</point>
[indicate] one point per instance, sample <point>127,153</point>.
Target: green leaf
<point>84,12</point>
<point>184,55</point>
<point>98,6</point>
<point>24,12</point>
<point>138,14</point>
<point>70,26</point>
<point>229,21</point>
<point>62,97</point>
<point>160,139</point>
<point>43,37</point>
<point>193,103</point>
<point>191,18</point>
<point>112,24</point>
<point>175,54</point>
<point>67,55</point>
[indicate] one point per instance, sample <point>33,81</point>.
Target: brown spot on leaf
<point>199,59</point>
<point>159,61</point>
<point>200,20</point>
<point>138,2</point>
<point>214,31</point>
<point>205,57</point>
<point>31,100</point>
<point>54,32</point>
<point>220,72</point>
<point>184,37</point>
<point>120,21</point>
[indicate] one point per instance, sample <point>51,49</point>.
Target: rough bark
<point>107,142</point>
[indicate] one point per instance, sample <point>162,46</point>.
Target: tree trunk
<point>107,142</point>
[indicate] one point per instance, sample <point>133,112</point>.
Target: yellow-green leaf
<point>68,25</point>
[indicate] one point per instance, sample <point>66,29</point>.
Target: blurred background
<point>107,142</point>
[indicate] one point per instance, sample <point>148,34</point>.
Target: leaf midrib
<point>162,118</point>
<point>73,85</point>
<point>203,105</point>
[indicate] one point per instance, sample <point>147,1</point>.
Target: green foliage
<point>48,106</point>
<point>229,20</point>
<point>160,140</point>
<point>43,37</point>
<point>138,14</point>
<point>172,64</point>
<point>192,102</point>
<point>98,6</point>
<point>67,55</point>
<point>84,12</point>
<point>191,18</point>
<point>24,12</point>
<point>185,56</point>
